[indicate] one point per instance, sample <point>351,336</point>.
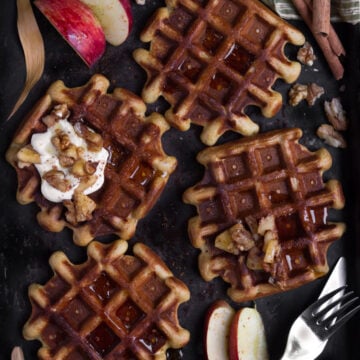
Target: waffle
<point>212,59</point>
<point>137,169</point>
<point>113,306</point>
<point>266,182</point>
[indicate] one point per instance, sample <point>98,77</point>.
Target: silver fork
<point>311,330</point>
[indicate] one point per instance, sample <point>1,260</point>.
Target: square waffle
<point>250,181</point>
<point>113,306</point>
<point>136,171</point>
<point>211,59</point>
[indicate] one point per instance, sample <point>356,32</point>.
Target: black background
<point>25,247</point>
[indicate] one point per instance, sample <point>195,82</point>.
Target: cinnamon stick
<point>304,7</point>
<point>333,38</point>
<point>321,17</point>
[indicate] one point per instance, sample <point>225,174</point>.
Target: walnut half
<point>331,136</point>
<point>310,93</point>
<point>336,114</point>
<point>306,54</point>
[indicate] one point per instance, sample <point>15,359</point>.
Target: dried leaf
<point>33,47</point>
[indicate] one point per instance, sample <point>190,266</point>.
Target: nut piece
<point>57,180</point>
<point>28,155</point>
<point>314,92</point>
<point>60,111</point>
<point>310,93</point>
<point>331,136</point>
<point>235,239</point>
<point>297,93</point>
<point>254,259</point>
<point>336,114</point>
<point>94,141</point>
<point>80,209</point>
<point>306,54</point>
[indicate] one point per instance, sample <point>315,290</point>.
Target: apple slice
<point>247,339</point>
<point>77,25</point>
<point>216,331</point>
<point>115,17</point>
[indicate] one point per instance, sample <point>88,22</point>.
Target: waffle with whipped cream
<point>91,160</point>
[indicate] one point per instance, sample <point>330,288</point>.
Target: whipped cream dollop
<point>49,155</point>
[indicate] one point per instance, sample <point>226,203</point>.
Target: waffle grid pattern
<point>270,174</point>
<point>212,59</point>
<point>137,169</point>
<point>113,306</point>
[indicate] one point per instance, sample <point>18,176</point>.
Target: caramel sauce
<point>277,197</point>
<point>142,174</point>
<point>212,39</point>
<point>191,69</point>
<point>103,287</point>
<point>219,83</point>
<point>129,314</point>
<point>289,227</point>
<point>102,339</point>
<point>153,339</point>
<point>117,155</point>
<point>239,59</point>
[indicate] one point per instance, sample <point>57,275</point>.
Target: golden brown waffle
<point>212,59</point>
<point>113,306</point>
<point>249,181</point>
<point>137,169</point>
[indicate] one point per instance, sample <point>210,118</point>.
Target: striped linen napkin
<point>341,10</point>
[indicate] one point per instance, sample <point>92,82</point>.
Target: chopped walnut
<point>254,259</point>
<point>60,111</point>
<point>297,93</point>
<point>57,180</point>
<point>80,209</point>
<point>27,155</point>
<point>310,93</point>
<point>336,114</point>
<point>314,92</point>
<point>66,161</point>
<point>235,239</point>
<point>331,136</point>
<point>242,238</point>
<point>94,141</point>
<point>306,54</point>
<point>61,142</point>
<point>225,242</point>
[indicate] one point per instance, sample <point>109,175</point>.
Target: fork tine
<point>339,311</point>
<point>342,321</point>
<point>324,298</point>
<point>319,314</point>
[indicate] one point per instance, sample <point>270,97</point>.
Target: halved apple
<point>115,17</point>
<point>247,339</point>
<point>77,25</point>
<point>216,331</point>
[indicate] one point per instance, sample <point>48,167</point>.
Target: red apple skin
<point>127,7</point>
<point>77,25</point>
<point>216,305</point>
